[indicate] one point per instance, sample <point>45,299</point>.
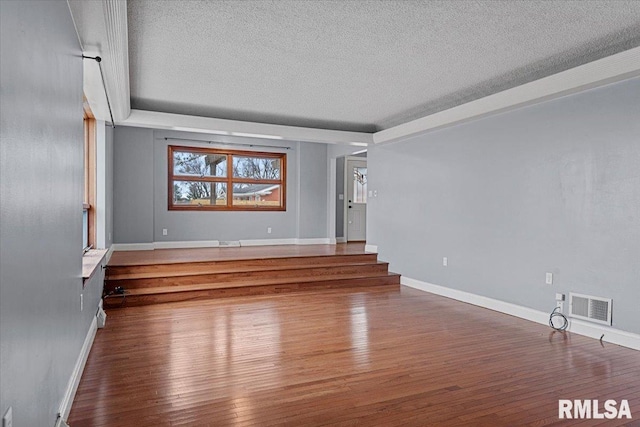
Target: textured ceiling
<point>357,65</point>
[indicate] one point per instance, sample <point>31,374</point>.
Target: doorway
<point>356,206</point>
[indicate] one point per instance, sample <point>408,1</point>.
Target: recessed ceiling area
<point>357,65</point>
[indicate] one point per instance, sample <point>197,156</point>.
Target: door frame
<point>345,219</point>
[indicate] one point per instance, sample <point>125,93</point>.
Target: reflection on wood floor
<point>341,357</point>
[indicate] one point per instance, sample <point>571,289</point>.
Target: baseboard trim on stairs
<point>216,244</point>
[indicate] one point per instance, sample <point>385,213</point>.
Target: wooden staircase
<point>152,283</point>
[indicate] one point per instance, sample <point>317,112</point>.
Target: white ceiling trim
<point>102,30</point>
<point>157,120</point>
<point>115,17</point>
<point>613,68</point>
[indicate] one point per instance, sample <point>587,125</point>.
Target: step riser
<point>213,267</point>
<point>253,276</point>
<point>388,282</point>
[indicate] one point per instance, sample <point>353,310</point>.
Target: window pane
<point>199,164</point>
<point>85,229</point>
<point>360,185</point>
<point>261,195</point>
<point>256,167</point>
<point>194,193</point>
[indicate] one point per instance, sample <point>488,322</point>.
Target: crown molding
<point>102,29</point>
<point>117,61</point>
<point>621,66</point>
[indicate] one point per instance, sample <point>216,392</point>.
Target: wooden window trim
<point>229,179</point>
<point>89,196</point>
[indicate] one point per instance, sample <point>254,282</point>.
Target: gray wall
<point>109,185</point>
<point>140,193</point>
<point>41,326</point>
<point>312,190</point>
<point>132,185</point>
<point>340,202</point>
<point>548,188</point>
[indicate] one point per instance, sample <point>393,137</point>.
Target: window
<point>88,200</point>
<point>209,179</point>
<point>360,185</point>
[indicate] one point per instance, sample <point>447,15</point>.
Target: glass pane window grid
<point>199,193</point>
<point>359,185</point>
<point>200,178</point>
<point>256,167</point>
<point>199,164</point>
<point>256,195</point>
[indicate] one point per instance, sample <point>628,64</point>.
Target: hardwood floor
<point>348,357</point>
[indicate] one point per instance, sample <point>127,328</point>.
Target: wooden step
<point>176,275</point>
<point>117,272</point>
<point>145,296</point>
<point>267,275</point>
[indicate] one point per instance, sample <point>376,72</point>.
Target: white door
<point>356,178</point>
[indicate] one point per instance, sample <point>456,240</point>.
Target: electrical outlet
<point>560,306</point>
<point>7,419</point>
<point>549,279</point>
<point>375,193</point>
<point>445,261</point>
<point>268,230</point>
<point>165,231</point>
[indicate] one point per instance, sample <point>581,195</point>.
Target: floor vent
<point>588,307</point>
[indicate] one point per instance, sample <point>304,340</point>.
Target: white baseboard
<point>267,242</point>
<point>611,335</point>
<point>371,248</point>
<point>214,244</point>
<point>74,381</point>
<point>490,303</point>
<point>314,241</point>
<point>187,244</point>
<point>132,246</point>
<point>341,240</point>
<point>107,256</point>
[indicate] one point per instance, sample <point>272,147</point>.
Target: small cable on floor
<point>119,291</point>
<point>564,322</point>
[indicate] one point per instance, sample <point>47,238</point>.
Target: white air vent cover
<point>588,307</point>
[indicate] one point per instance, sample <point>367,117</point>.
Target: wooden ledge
<point>91,261</point>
